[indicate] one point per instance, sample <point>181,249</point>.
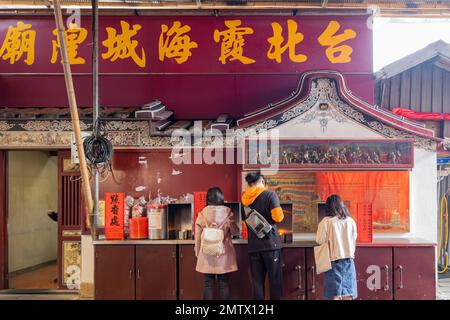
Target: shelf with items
<point>175,221</point>
<point>180,217</point>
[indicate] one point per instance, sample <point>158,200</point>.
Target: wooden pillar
<point>73,108</point>
<point>3,220</point>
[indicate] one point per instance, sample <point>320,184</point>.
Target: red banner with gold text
<point>191,44</point>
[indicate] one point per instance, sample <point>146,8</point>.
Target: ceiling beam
<point>387,8</point>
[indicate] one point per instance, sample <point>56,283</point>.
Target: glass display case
<point>386,191</point>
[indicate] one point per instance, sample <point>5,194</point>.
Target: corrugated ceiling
<point>386,7</point>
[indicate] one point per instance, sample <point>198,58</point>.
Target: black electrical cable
<point>99,150</point>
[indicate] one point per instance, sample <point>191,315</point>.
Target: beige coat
<point>226,262</point>
<point>342,236</point>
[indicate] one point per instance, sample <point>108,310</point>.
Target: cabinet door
<point>191,281</point>
<point>156,272</point>
<point>415,273</point>
<point>374,273</point>
<point>294,274</point>
<point>314,282</point>
<point>241,280</point>
<point>114,272</point>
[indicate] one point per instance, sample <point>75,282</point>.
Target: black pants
<point>267,262</point>
<point>208,289</point>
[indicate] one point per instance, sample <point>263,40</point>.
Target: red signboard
<point>192,44</point>
<point>364,223</point>
<point>199,204</point>
<point>114,213</point>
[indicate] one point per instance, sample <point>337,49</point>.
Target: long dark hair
<point>214,197</point>
<point>335,207</point>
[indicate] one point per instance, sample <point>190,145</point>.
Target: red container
<point>138,228</point>
<point>244,230</point>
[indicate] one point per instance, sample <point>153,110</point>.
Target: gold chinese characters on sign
<point>176,43</point>
<point>19,43</point>
<point>122,46</point>
<point>74,37</point>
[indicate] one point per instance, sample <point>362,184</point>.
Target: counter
<point>381,242</point>
<point>388,268</point>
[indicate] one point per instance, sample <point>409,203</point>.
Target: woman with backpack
<point>214,249</point>
<point>338,232</point>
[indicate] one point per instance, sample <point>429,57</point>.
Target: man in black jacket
<point>265,253</point>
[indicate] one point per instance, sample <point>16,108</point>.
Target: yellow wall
<point>33,189</point>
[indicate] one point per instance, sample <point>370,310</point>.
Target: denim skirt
<point>340,280</point>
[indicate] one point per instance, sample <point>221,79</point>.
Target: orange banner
<point>386,191</point>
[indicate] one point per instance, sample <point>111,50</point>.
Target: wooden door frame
<point>3,219</point>
<point>59,255</point>
<point>61,155</point>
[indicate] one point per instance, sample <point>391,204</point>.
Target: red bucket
<point>138,228</point>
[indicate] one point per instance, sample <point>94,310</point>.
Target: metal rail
<point>95,110</point>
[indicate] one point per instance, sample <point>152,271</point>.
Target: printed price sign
<point>101,213</point>
<point>364,223</point>
<point>155,221</point>
<point>73,146</point>
<point>114,212</point>
<point>199,204</point>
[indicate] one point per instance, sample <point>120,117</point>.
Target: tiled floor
<point>47,296</point>
<point>37,285</point>
<point>42,278</point>
<point>443,291</point>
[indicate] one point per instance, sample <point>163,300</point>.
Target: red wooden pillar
<point>70,205</point>
<point>3,220</point>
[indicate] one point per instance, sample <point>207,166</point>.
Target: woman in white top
<point>339,229</point>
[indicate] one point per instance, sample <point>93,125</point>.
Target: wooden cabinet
<point>114,272</point>
<point>374,273</point>
<point>414,273</point>
<point>156,272</point>
<point>190,281</point>
<point>385,273</point>
<point>149,271</point>
<point>142,272</point>
<point>314,282</point>
<point>241,280</point>
<point>294,274</point>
